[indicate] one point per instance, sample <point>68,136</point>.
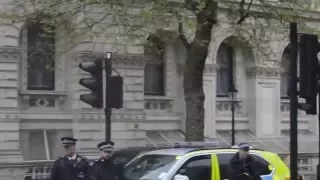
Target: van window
<point>225,158</point>
<point>149,166</point>
<point>261,165</point>
<point>198,167</point>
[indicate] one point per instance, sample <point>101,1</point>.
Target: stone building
<point>38,104</point>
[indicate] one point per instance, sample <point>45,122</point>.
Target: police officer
<point>72,166</point>
<point>242,166</point>
<point>106,167</point>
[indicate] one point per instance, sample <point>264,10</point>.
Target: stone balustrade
<point>285,107</point>
<point>223,106</point>
<point>26,170</point>
<point>43,99</point>
<point>158,104</point>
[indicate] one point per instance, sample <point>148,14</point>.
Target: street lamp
<point>233,92</point>
<point>109,55</point>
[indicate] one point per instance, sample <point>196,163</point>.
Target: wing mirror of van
<point>180,177</point>
<point>270,167</point>
<point>182,171</point>
<point>137,169</point>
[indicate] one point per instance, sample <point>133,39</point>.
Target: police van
<point>194,163</point>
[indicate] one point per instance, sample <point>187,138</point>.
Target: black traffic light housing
<point>115,92</point>
<point>308,74</point>
<point>94,83</point>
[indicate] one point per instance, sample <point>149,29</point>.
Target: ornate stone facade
<point>258,106</point>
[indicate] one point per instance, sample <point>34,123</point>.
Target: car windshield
<point>149,167</point>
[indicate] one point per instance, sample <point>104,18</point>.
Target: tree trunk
<point>193,80</point>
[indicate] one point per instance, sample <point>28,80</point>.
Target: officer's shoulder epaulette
<point>94,162</point>
<point>59,158</point>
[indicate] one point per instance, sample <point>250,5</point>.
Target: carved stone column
<point>209,86</point>
<point>9,120</point>
<point>263,99</point>
<point>9,73</point>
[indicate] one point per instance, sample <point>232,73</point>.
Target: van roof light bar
<point>195,144</point>
<point>237,147</point>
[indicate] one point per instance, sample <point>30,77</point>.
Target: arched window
<point>41,54</point>
<point>154,70</point>
<point>224,56</point>
<point>285,76</point>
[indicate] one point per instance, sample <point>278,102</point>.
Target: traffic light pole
<point>107,109</point>
<point>293,102</point>
<point>318,166</point>
<point>318,90</point>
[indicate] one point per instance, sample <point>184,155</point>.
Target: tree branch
<point>211,11</point>
<point>181,33</point>
<point>244,13</point>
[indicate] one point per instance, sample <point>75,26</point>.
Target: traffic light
<point>308,75</point>
<point>94,83</point>
<point>115,92</point>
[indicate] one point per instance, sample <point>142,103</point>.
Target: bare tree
<point>138,17</point>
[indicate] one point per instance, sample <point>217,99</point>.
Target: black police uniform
<point>243,169</point>
<point>66,168</point>
<point>109,169</point>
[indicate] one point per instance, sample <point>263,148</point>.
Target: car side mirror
<point>182,171</point>
<point>180,177</point>
<point>137,169</point>
<point>271,168</point>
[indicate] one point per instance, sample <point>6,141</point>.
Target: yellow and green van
<point>199,164</point>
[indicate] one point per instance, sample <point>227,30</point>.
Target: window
<point>305,164</point>
<point>42,144</point>
<point>36,144</point>
<point>224,57</point>
<point>224,160</point>
<point>285,76</point>
<point>154,68</point>
<point>149,167</point>
<point>262,166</point>
<point>41,51</point>
<point>198,167</point>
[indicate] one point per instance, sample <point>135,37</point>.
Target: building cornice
<point>119,115</point>
<point>261,9</point>
<point>118,60</point>
<point>267,72</point>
